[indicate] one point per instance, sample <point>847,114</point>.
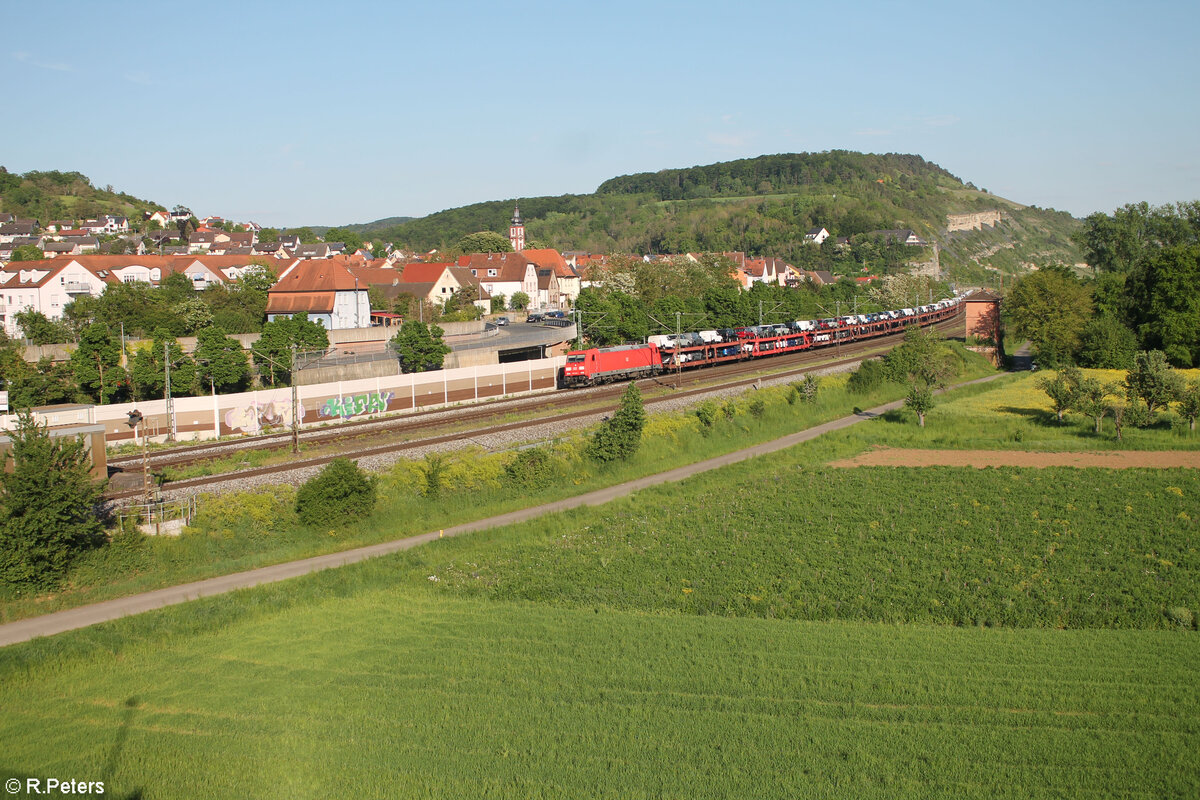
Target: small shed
<point>93,437</point>
<point>983,323</point>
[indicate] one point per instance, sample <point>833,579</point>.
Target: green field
<point>240,532</point>
<point>778,628</point>
<point>402,692</point>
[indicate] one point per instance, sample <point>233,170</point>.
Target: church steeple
<point>516,231</point>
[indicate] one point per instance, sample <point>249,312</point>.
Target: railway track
<point>599,400</point>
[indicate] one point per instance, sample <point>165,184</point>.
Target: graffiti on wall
<point>254,417</point>
<point>347,407</point>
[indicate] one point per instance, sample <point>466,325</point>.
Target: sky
<point>305,113</point>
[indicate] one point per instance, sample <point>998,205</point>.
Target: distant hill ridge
<point>761,206</point>
<point>764,206</point>
<point>766,175</point>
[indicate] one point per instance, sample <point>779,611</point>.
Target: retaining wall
<point>206,417</point>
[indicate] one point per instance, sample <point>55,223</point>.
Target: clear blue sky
<point>305,113</point>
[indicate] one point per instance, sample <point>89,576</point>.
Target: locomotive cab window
<point>575,359</point>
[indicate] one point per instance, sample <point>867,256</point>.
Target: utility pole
<point>760,313</point>
<point>295,405</point>
<point>167,389</point>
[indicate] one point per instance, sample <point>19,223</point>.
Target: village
<point>340,289</point>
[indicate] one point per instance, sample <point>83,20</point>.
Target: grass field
<point>402,692</point>
<point>779,628</point>
<point>1012,413</point>
<point>241,532</point>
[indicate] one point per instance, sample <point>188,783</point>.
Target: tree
<point>498,303</point>
<point>1189,403</point>
<point>1050,307</point>
<point>352,240</point>
<point>620,436</point>
<point>1157,251</point>
<point>175,288</point>
<point>460,306</point>
<point>1164,302</point>
<point>1152,380</point>
<point>924,363</point>
<point>257,278</point>
<point>519,301</point>
<point>1091,399</point>
<point>419,347</point>
<point>148,372</point>
<point>183,223</point>
<point>1107,344</point>
<point>27,252</point>
<point>268,235</point>
<point>305,235</point>
<point>96,363</point>
<point>1061,389</point>
<point>273,350</point>
<point>485,242</point>
<point>192,315</point>
<point>39,329</point>
<point>220,361</point>
<point>376,298</point>
<point>48,507</point>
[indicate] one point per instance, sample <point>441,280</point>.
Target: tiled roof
<point>317,275</point>
<point>299,302</point>
<point>549,259</point>
<point>423,273</point>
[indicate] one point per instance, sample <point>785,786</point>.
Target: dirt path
<point>1124,459</point>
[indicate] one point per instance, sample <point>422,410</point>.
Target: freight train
<point>704,348</point>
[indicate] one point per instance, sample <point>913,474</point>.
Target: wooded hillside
<point>46,196</point>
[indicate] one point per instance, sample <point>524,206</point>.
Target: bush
<point>619,437</point>
<point>340,493</point>
<point>757,408</point>
<point>1182,617</point>
<point>434,472</point>
<point>531,469</point>
<point>260,512</point>
<point>706,413</point>
<point>869,376</point>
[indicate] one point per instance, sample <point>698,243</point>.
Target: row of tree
<point>1150,386</point>
<point>1143,294</point>
<point>632,299</point>
<point>139,309</point>
<point>96,372</point>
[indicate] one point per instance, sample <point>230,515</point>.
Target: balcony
<point>77,287</point>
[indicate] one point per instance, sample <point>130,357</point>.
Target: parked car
<point>555,315</point>
<point>535,317</point>
<point>501,321</point>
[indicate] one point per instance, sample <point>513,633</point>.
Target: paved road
<point>58,622</point>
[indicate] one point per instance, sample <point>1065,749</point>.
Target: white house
<point>816,235</point>
<point>47,286</point>
<point>323,289</point>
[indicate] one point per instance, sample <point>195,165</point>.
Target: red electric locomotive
<point>605,364</point>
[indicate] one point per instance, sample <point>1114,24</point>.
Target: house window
<point>491,273</point>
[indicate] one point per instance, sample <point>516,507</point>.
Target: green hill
<point>764,206</point>
<point>46,196</point>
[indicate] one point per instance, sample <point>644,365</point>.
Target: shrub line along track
<point>854,352</point>
<point>70,619</point>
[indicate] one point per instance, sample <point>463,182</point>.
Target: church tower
<point>516,231</point>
